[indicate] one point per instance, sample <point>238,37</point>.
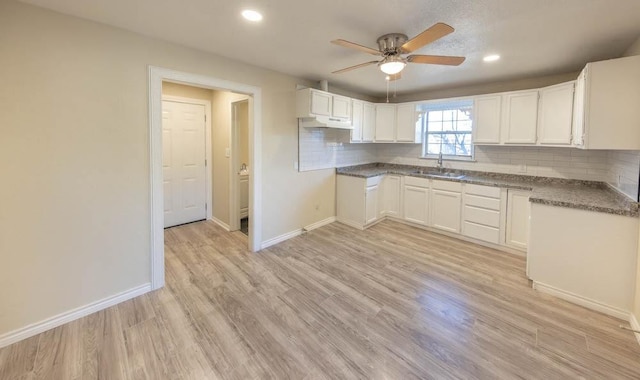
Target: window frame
<point>441,105</point>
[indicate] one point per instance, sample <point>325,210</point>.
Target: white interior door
<point>183,162</point>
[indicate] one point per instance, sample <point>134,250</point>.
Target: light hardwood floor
<point>392,302</point>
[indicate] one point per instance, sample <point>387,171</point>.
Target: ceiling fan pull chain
<point>387,80</point>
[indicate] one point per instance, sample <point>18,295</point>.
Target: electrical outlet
<point>295,165</point>
<point>522,168</point>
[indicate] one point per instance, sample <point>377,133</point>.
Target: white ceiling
<point>534,37</point>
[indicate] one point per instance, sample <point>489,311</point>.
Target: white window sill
<point>448,158</point>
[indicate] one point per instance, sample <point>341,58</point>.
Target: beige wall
<point>74,158</point>
<point>634,49</point>
<point>488,88</point>
<point>181,90</point>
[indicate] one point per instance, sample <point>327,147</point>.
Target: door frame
<point>234,190</point>
<point>156,236</point>
<point>207,146</point>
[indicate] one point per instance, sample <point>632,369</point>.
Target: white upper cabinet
<point>357,114</point>
<point>487,117</point>
<point>607,100</point>
<point>520,117</point>
<point>341,107</point>
<point>577,125</point>
<point>312,103</point>
<point>368,122</point>
<point>385,122</point>
<point>407,129</point>
<point>321,103</point>
<point>555,114</point>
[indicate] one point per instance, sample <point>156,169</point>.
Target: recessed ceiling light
<point>252,15</point>
<point>491,58</point>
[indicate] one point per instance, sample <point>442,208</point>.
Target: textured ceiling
<point>534,38</point>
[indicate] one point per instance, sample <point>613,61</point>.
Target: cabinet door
<point>385,122</point>
<point>555,114</point>
<point>518,210</point>
<point>321,103</point>
<point>487,114</point>
<point>445,210</point>
<point>521,117</point>
<point>341,107</point>
<point>416,204</point>
<point>391,195</point>
<point>368,122</point>
<point>371,204</point>
<point>356,120</point>
<point>407,129</point>
<point>578,110</point>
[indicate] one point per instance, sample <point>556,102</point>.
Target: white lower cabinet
<point>484,213</point>
<point>445,205</point>
<point>482,216</point>
<point>585,257</point>
<point>416,200</point>
<point>518,214</point>
<point>371,204</point>
<point>391,196</point>
<point>357,200</point>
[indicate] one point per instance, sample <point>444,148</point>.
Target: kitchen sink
<point>441,174</point>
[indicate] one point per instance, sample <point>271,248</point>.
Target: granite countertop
<point>585,195</point>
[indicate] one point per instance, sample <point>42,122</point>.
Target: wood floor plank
<point>391,302</point>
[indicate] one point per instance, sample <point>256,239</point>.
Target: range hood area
<point>325,122</point>
<point>322,109</point>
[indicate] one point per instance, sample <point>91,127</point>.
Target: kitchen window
<point>447,128</point>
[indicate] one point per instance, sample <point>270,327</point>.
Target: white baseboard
<point>320,223</point>
<point>71,315</point>
<point>281,238</point>
<point>221,223</point>
<point>582,301</point>
<point>292,234</point>
<point>635,325</point>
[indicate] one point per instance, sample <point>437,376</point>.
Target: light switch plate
<point>227,152</point>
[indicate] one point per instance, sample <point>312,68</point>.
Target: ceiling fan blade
<point>354,67</point>
<point>353,45</point>
<point>436,59</point>
<point>394,77</point>
<point>434,33</point>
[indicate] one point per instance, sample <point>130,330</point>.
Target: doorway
<point>156,77</point>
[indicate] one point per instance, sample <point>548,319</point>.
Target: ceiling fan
<point>393,45</point>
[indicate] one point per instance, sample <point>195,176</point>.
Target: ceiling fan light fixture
<point>392,64</point>
<point>491,58</point>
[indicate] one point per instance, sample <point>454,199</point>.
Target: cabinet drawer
<point>447,185</point>
<point>482,216</point>
<point>415,181</point>
<point>480,232</point>
<point>372,181</point>
<point>484,202</point>
<point>486,191</point>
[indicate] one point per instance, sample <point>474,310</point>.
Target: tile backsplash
<point>327,148</point>
<point>623,171</point>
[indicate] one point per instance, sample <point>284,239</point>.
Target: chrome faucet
<point>440,162</point>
